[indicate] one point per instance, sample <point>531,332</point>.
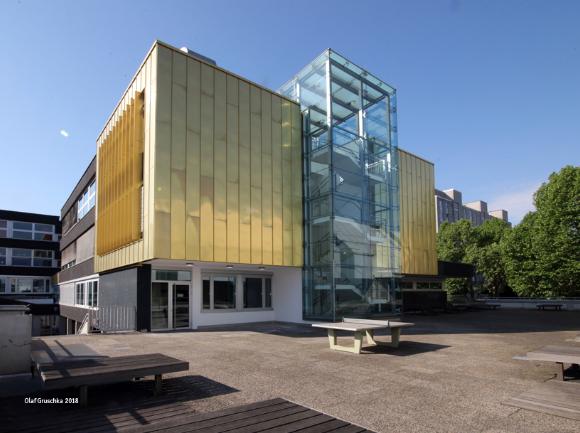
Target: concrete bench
<point>82,373</point>
<point>360,328</point>
<point>549,306</point>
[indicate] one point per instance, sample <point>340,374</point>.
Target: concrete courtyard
<point>451,373</point>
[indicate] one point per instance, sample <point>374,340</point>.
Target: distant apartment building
<point>77,279</point>
<point>449,207</point>
<point>29,258</point>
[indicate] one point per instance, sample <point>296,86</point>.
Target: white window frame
<point>89,288</point>
<point>33,231</point>
<point>239,291</point>
<point>86,200</point>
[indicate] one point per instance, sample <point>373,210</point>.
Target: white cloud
<point>517,202</point>
<point>64,133</point>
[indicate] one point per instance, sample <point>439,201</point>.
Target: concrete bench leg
<point>358,337</point>
<point>560,373</point>
<point>158,384</point>
<point>83,395</point>
<point>395,337</point>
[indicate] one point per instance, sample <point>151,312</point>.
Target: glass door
<point>180,305</point>
<point>160,306</point>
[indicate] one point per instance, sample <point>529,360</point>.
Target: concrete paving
<point>450,373</point>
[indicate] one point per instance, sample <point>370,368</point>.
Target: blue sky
<point>487,90</point>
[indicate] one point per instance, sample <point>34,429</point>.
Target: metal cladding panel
<point>124,169</point>
<point>228,167</point>
<point>417,184</point>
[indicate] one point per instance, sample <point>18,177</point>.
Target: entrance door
<point>169,305</point>
<point>160,306</point>
<point>180,305</point>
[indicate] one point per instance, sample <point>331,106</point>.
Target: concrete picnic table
<point>362,327</point>
<point>558,354</point>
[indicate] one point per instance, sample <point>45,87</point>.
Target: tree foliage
<point>542,253</point>
<point>540,257</point>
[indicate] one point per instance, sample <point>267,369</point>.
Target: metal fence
<point>572,303</point>
<point>110,318</point>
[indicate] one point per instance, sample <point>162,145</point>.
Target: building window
<point>236,292</point>
<point>257,292</point>
<point>92,292</point>
<point>86,201</point>
<point>80,293</point>
<point>40,286</point>
<point>22,230</point>
<point>43,232</point>
<point>43,258</point>
<point>219,292</point>
<point>224,293</point>
<point>87,293</point>
<point>2,285</point>
<point>26,257</point>
<point>21,257</point>
<point>165,275</point>
<point>26,231</point>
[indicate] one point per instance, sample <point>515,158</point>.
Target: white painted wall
<point>287,294</point>
<point>67,293</point>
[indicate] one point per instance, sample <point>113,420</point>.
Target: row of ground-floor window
<point>186,297</point>
<point>156,297</point>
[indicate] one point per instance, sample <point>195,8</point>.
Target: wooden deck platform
<point>277,415</point>
<point>552,397</point>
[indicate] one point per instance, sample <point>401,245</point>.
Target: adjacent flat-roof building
<point>220,201</point>
<point>77,278</point>
<point>29,258</point>
<point>450,208</point>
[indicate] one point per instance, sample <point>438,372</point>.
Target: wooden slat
<point>553,397</point>
<point>276,415</point>
<point>215,423</point>
<point>107,370</point>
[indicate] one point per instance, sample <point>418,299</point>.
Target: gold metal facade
<point>120,159</point>
<point>222,168</point>
<point>142,89</point>
<point>417,186</point>
<point>227,170</point>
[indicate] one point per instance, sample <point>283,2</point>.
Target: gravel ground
<point>450,374</point>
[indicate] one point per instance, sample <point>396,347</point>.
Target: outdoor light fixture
<point>261,268</point>
<point>230,266</point>
<point>189,264</point>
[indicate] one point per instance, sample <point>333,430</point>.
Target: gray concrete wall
<point>15,337</point>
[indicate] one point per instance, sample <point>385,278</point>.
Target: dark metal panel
<point>29,271</point>
<point>30,217</point>
<point>79,270</point>
<point>32,245</point>
<point>455,270</point>
<point>144,297</point>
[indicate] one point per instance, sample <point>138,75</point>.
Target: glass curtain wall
<point>351,190</point>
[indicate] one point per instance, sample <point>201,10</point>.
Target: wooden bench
<point>276,415</point>
<point>362,327</point>
<point>559,354</point>
<point>549,306</point>
<point>82,373</point>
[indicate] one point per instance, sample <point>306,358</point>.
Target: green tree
<point>542,253</point>
<point>453,241</point>
<point>485,253</point>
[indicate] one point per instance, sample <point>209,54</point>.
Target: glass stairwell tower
<point>351,190</point>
